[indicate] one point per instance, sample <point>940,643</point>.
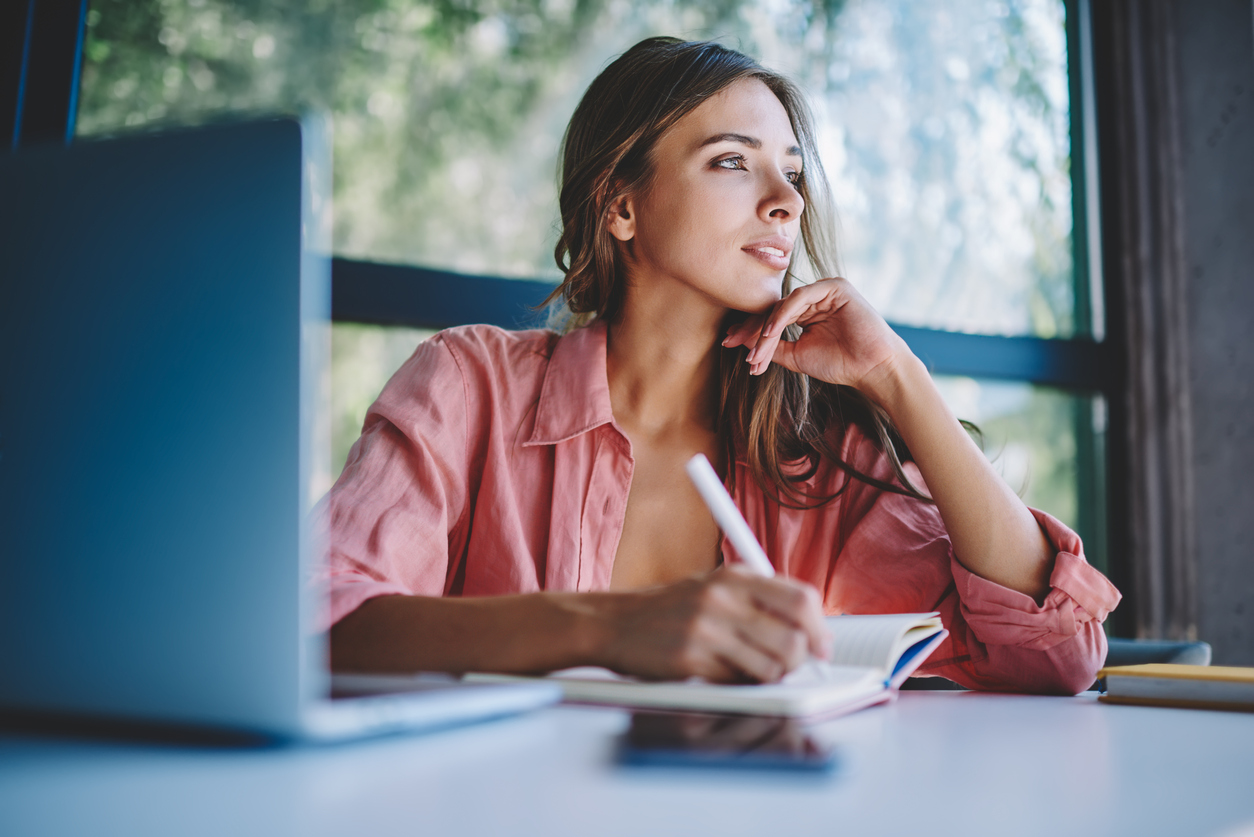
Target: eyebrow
<point>752,142</point>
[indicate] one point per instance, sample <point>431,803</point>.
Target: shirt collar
<point>575,396</point>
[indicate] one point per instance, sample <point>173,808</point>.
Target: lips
<point>774,252</point>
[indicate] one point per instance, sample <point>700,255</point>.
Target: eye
<point>736,162</point>
<point>795,178</point>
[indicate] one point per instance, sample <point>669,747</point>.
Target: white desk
<point>933,763</point>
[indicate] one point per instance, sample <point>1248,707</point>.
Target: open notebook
<point>873,656</point>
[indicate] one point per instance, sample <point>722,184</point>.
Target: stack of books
<point>1194,687</point>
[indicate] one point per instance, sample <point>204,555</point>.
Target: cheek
<point>672,231</point>
<point>709,220</point>
<point>691,226</point>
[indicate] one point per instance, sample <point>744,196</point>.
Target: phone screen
<point>682,739</point>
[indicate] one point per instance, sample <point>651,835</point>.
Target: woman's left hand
<point>843,339</point>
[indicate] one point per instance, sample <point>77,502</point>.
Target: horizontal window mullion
<point>420,297</point>
<point>1072,364</point>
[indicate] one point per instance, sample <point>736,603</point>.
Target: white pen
<point>727,516</point>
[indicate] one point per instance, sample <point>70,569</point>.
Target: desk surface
<point>932,763</point>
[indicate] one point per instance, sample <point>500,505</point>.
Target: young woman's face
<point>723,210</point>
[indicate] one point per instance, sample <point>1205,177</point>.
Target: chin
<point>768,293</point>
<point>750,292</point>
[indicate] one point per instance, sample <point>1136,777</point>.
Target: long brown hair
<point>787,422</point>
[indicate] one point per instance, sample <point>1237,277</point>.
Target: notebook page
<point>817,673</point>
<point>810,673</point>
<point>814,689</point>
<point>870,640</point>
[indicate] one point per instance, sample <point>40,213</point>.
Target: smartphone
<point>677,739</point>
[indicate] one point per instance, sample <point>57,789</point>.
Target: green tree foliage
<point>944,124</point>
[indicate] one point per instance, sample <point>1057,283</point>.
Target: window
<point>945,128</point>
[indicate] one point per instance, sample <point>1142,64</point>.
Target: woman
<point>517,501</point>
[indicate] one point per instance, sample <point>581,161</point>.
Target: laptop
<point>164,389</point>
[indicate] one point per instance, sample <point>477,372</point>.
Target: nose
<point>782,202</point>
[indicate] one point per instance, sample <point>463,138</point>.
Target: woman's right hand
<point>728,626</point>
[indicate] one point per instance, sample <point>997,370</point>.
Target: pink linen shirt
<point>491,464</point>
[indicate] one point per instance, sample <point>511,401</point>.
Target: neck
<point>662,363</point>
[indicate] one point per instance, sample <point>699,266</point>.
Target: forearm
<point>728,625</point>
<point>521,634</point>
<point>993,533</point>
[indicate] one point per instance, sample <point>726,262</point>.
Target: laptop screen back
<point>155,438</point>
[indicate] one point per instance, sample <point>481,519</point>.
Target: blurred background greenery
<point>944,127</point>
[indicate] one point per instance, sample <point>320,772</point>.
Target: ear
<point>621,218</point>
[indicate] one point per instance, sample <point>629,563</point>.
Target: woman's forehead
<point>746,112</point>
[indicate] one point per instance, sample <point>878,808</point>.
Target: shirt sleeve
<point>896,556</point>
<point>398,505</point>
<point>1054,647</point>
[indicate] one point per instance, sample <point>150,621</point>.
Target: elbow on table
<point>1064,668</point>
